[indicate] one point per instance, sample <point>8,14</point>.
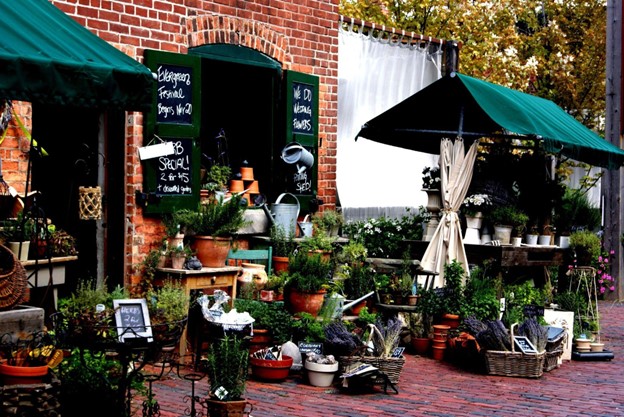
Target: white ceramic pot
<point>502,233</point>
<point>516,241</point>
<point>543,240</point>
<point>321,374</point>
<point>563,242</point>
<point>531,239</point>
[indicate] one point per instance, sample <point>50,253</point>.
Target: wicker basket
<point>551,360</point>
<point>505,363</point>
<point>392,367</point>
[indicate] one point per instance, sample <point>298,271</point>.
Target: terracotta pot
<point>421,345</point>
<point>247,173</point>
<point>439,343</point>
<point>253,273</point>
<point>441,328</point>
<point>412,300</point>
<point>211,251</point>
<point>217,408</point>
<point>18,375</point>
<point>280,264</point>
<point>306,302</point>
<point>451,320</point>
<point>596,347</point>
<point>261,338</point>
<point>438,352</point>
<point>355,310</point>
<point>271,370</point>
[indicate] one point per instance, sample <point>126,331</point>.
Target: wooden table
<point>203,279</point>
<point>506,256</point>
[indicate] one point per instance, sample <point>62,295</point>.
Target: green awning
<point>47,57</point>
<point>459,105</point>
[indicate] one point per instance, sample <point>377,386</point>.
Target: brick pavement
<point>431,388</point>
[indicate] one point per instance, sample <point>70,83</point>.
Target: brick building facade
<point>301,35</point>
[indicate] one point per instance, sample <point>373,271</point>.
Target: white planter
<point>15,248</point>
<point>563,242</point>
<point>516,241</point>
<point>321,374</point>
<point>474,222</point>
<point>531,239</point>
<point>502,233</point>
<point>543,240</point>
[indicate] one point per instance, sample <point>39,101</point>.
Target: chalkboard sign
<point>132,319</point>
<point>174,172</point>
<point>174,94</point>
<point>310,347</point>
<point>303,108</point>
<point>524,344</point>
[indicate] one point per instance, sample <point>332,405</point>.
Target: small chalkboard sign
<point>305,347</point>
<point>174,94</point>
<point>132,319</point>
<point>303,106</point>
<point>524,344</point>
<point>174,172</point>
<point>397,352</point>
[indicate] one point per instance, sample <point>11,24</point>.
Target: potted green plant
<point>328,221</point>
<point>586,246</point>
<point>284,245</point>
<point>319,242</point>
<point>227,366</point>
<point>308,276</point>
<point>274,288</point>
<point>179,255</point>
<point>212,226</point>
<point>168,307</point>
<point>17,233</point>
<point>505,219</point>
<point>217,178</point>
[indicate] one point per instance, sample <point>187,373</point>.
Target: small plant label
<point>310,347</point>
<point>397,352</point>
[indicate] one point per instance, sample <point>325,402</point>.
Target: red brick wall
<point>301,34</point>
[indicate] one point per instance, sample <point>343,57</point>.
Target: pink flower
<point>612,288</point>
<point>602,290</point>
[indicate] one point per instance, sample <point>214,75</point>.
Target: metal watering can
<point>284,215</point>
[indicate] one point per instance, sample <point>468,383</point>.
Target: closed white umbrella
<point>456,169</point>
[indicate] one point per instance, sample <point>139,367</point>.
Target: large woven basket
<point>392,367</point>
<point>13,280</point>
<point>512,363</point>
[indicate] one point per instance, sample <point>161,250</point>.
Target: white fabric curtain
<point>456,168</point>
<point>373,75</point>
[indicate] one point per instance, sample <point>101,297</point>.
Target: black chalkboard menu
<point>172,182</point>
<point>174,97</point>
<point>132,319</point>
<point>174,172</point>
<point>303,108</point>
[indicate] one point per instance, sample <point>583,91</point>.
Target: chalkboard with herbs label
<point>132,319</point>
<point>174,172</point>
<point>174,94</point>
<point>303,107</point>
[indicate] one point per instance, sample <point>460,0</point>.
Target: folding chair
<point>256,256</point>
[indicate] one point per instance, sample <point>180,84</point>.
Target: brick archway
<point>210,29</point>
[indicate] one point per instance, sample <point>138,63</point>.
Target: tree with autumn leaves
<point>554,49</point>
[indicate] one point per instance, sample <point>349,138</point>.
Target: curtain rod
<point>391,30</point>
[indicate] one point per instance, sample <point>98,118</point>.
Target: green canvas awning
<point>459,105</point>
<point>47,57</point>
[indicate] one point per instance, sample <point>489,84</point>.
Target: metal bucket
<point>285,214</point>
<point>306,226</point>
<point>294,153</point>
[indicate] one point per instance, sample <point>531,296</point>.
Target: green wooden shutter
<point>172,182</point>
<point>301,96</point>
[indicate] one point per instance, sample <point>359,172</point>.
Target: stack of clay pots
<point>246,183</point>
<point>440,336</point>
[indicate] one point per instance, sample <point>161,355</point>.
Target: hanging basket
<point>90,203</point>
<point>13,280</point>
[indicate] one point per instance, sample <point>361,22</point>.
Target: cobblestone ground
<point>432,388</point>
